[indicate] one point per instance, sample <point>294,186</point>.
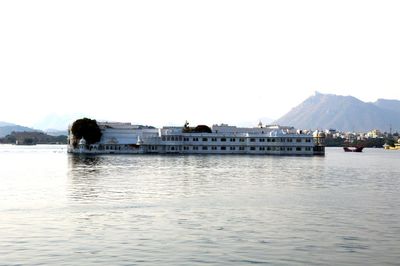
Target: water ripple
<point>56,209</point>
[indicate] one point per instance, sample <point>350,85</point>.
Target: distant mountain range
<point>345,113</point>
<point>320,111</point>
<point>7,128</point>
<point>52,124</point>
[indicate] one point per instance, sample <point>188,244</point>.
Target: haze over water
<point>59,209</point>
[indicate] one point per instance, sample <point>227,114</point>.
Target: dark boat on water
<point>353,149</point>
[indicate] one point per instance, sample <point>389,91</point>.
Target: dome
<point>398,141</point>
<point>318,134</point>
<point>82,141</point>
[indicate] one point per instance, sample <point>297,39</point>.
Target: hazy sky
<point>164,62</point>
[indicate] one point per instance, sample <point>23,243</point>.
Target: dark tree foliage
<point>334,142</point>
<point>372,143</point>
<point>86,128</point>
<point>202,129</point>
<point>390,142</point>
<point>367,143</point>
<point>198,129</point>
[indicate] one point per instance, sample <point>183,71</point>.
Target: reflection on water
<point>84,161</point>
<point>117,210</point>
<point>83,173</point>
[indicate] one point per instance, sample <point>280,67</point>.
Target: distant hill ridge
<point>7,128</point>
<point>4,124</point>
<point>393,105</point>
<point>345,113</point>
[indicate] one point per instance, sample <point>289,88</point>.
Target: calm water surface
<point>57,209</point>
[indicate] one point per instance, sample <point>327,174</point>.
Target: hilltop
<point>346,113</point>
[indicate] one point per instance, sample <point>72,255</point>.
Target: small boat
<point>353,149</point>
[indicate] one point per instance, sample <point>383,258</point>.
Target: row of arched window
<point>225,139</point>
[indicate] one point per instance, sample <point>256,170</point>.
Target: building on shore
<point>395,147</point>
<point>124,138</point>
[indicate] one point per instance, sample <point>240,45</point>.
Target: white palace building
<point>124,138</point>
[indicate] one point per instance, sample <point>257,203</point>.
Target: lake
<point>60,209</point>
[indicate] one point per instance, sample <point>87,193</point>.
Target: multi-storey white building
<point>220,139</point>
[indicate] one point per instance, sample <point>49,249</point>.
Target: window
<point>204,148</point>
<point>289,140</point>
<point>298,140</point>
<point>185,139</point>
<point>213,148</point>
<point>308,140</point>
<point>252,148</point>
<point>185,148</point>
<point>195,139</point>
<point>268,140</point>
<point>223,148</point>
<point>241,140</point>
<point>262,140</point>
<point>163,138</point>
<point>213,139</point>
<point>289,148</point>
<point>308,149</point>
<point>268,148</point>
<point>172,148</point>
<point>223,139</point>
<point>252,140</point>
<point>298,148</point>
<point>232,139</point>
<point>262,148</point>
<point>282,148</point>
<point>232,148</point>
<point>241,148</point>
<point>205,139</point>
<point>273,140</point>
<point>195,148</point>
